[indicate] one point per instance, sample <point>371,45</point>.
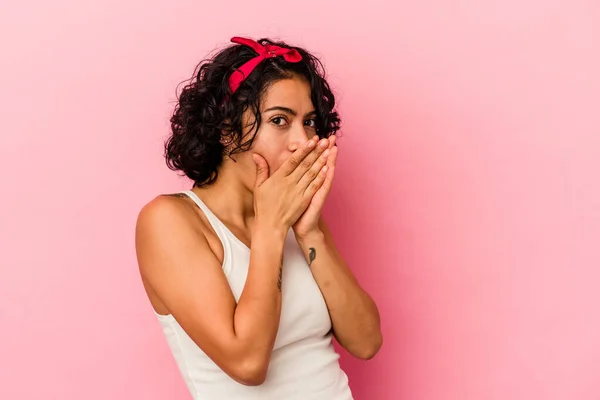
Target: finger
<point>307,163</point>
<point>314,170</point>
<point>328,183</point>
<point>331,168</point>
<point>316,184</point>
<point>295,159</point>
<point>333,155</point>
<point>332,140</point>
<point>262,169</point>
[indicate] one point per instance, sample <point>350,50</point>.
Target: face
<point>287,122</point>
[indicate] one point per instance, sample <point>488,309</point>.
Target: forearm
<point>257,313</point>
<point>354,315</point>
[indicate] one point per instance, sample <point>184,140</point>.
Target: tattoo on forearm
<point>280,278</point>
<point>312,254</point>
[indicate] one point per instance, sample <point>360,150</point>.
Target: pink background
<point>467,199</point>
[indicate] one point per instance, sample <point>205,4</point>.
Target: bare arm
<point>177,262</point>
<point>354,315</point>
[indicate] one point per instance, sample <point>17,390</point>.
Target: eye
<point>312,123</point>
<point>279,121</point>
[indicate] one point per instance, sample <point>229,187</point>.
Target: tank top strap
<point>215,222</point>
<point>226,236</point>
<point>212,218</point>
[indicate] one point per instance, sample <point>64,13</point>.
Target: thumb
<point>262,169</point>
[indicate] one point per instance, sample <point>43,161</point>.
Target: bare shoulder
<point>166,220</point>
<point>173,255</point>
<point>164,209</point>
<point>166,203</point>
<point>176,209</point>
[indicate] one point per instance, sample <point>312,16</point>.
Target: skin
<point>281,182</point>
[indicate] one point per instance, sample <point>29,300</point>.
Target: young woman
<point>241,269</point>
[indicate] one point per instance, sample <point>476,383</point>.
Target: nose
<point>297,136</point>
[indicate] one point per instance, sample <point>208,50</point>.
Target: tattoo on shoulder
<point>312,254</point>
<point>180,195</point>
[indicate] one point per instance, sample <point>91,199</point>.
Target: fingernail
<point>324,143</point>
<point>310,143</point>
<point>325,153</point>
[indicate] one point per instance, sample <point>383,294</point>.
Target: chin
<point>277,164</point>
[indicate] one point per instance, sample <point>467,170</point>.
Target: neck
<point>229,197</point>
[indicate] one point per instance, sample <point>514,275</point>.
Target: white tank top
<point>304,364</point>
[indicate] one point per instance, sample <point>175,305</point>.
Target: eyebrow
<point>288,110</point>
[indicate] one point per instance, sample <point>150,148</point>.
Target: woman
<point>241,270</point>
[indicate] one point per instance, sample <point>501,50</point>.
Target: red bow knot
<point>264,52</point>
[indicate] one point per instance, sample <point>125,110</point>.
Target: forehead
<point>292,93</point>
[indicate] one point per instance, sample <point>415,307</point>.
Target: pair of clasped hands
<point>294,195</point>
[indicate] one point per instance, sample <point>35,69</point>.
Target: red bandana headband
<point>264,52</point>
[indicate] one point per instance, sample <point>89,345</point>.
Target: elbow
<point>250,378</point>
<point>250,373</point>
<point>369,349</point>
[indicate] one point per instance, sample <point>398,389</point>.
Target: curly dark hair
<point>207,115</point>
